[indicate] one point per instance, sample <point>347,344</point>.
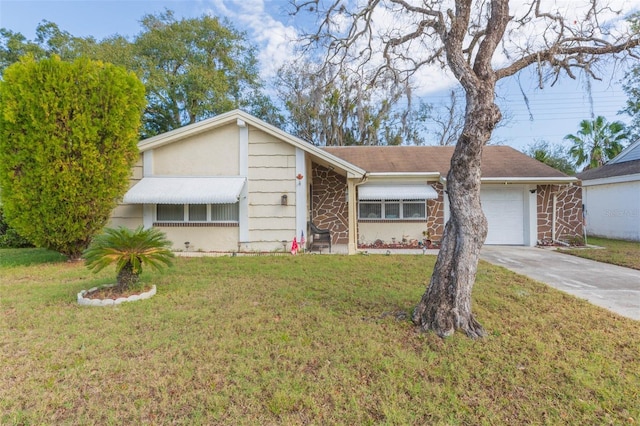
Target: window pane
<point>170,212</point>
<point>370,210</point>
<point>414,210</point>
<point>392,210</point>
<point>225,212</point>
<point>197,212</point>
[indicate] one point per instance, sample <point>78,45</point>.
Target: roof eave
<point>404,175</point>
<point>241,116</point>
<point>527,180</point>
<point>612,179</point>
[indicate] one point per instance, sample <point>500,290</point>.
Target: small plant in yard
<point>128,249</point>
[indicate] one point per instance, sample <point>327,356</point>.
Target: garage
<point>504,208</point>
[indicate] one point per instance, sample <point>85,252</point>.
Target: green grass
<point>28,256</point>
<point>617,252</point>
<point>306,340</point>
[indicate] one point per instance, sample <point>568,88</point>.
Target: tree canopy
<point>553,156</point>
<point>329,108</point>
<point>68,140</point>
<point>597,142</point>
<point>193,69</point>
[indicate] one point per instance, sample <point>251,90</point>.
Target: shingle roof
<point>497,161</point>
<point>611,170</point>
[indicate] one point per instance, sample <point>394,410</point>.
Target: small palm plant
<point>128,249</point>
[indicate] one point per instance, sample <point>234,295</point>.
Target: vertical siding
<point>271,175</point>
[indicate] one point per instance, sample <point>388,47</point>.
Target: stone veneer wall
<point>329,205</point>
<point>435,213</point>
<point>568,212</point>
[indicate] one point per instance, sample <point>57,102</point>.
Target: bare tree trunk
<point>446,305</point>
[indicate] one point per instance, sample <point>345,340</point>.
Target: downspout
<point>353,215</point>
<point>553,218</point>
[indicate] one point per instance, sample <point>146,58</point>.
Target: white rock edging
<point>83,301</point>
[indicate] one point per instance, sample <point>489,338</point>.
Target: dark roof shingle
<point>611,170</point>
<point>497,161</point>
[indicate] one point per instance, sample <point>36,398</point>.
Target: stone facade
<point>569,220</point>
<point>329,209</point>
<point>435,214</point>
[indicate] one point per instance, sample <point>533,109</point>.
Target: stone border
<point>83,301</point>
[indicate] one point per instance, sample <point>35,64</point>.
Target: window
<point>392,209</point>
<point>215,213</point>
<point>224,212</point>
<point>170,213</point>
<point>370,210</point>
<point>197,212</point>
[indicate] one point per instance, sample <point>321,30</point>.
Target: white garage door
<point>504,209</point>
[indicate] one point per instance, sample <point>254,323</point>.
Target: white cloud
<point>265,23</point>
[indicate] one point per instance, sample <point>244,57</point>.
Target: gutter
<point>525,180</point>
<point>403,175</point>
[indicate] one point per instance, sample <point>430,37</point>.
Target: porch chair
<point>320,238</point>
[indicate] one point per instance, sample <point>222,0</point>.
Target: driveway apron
<point>608,286</point>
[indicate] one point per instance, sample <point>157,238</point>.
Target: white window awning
<point>396,192</point>
<point>185,190</point>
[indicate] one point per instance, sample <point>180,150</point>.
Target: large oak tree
<point>479,42</point>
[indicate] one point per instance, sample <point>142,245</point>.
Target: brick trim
<point>194,225</point>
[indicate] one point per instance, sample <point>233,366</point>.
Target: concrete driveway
<point>609,286</point>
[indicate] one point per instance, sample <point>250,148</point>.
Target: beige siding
<point>213,153</point>
<point>205,239</point>
<point>127,222</point>
<point>272,174</point>
<point>271,186</point>
<point>269,211</point>
<point>129,215</point>
<point>257,161</point>
<point>271,199</point>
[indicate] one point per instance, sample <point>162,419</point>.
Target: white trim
<point>531,216</point>
<point>301,193</point>
<point>423,175</point>
<point>530,180</point>
<point>148,214</point>
<point>243,199</point>
<point>613,179</point>
<point>147,163</point>
<point>525,180</point>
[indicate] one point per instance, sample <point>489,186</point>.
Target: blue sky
<point>554,111</point>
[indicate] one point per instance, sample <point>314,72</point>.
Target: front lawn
<point>306,340</point>
<point>617,252</point>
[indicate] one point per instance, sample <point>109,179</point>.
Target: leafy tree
<point>553,156</point>
<point>597,142</point>
<point>68,140</point>
<point>50,40</point>
<point>193,69</point>
<point>9,238</point>
<point>129,250</point>
<point>328,108</point>
<point>479,42</point>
